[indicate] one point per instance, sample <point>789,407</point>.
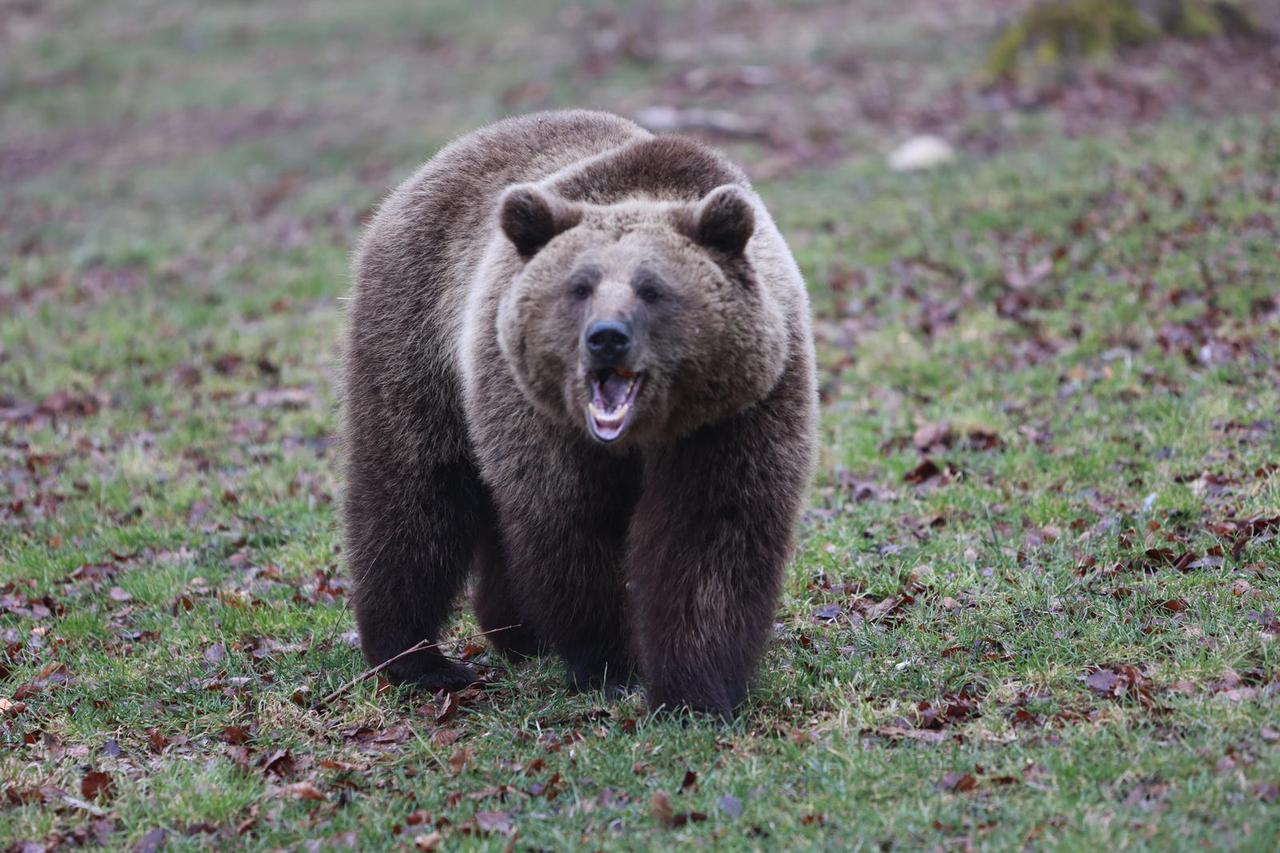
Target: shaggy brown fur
<point>579,362</point>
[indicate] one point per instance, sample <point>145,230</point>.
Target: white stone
<point>921,152</point>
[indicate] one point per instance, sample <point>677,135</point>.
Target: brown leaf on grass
<point>96,784</point>
<point>933,437</point>
<point>26,691</point>
<point>459,760</point>
<point>926,470</point>
<point>302,791</point>
<point>54,747</point>
<point>1023,717</point>
<point>67,404</point>
<point>1268,619</point>
<point>954,708</point>
<point>24,796</point>
<point>499,822</point>
<point>1020,278</point>
<point>1121,680</point>
<point>279,763</point>
<point>1268,792</point>
<point>897,732</point>
<point>827,613</point>
<point>930,472</point>
<point>730,805</point>
<point>680,819</point>
<point>153,841</point>
<point>690,780</point>
<point>227,363</point>
<point>119,594</point>
<point>235,735</point>
<point>216,653</point>
<point>1103,681</point>
<point>958,782</point>
<point>448,709</point>
<point>428,840</point>
<point>1148,795</point>
<point>156,740</point>
<point>860,489</point>
<point>660,808</point>
<point>1242,532</point>
<point>284,398</point>
<point>983,439</point>
<point>884,607</point>
<point>548,789</point>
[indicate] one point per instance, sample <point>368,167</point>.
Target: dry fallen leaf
<point>96,784</point>
<point>459,760</point>
<point>730,805</point>
<point>660,807</point>
<point>428,840</point>
<point>153,841</point>
<point>933,436</point>
<point>958,782</point>
<point>499,822</point>
<point>302,791</point>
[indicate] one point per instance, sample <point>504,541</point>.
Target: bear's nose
<point>608,341</point>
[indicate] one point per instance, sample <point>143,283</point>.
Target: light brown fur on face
<point>708,338</point>
<point>579,360</point>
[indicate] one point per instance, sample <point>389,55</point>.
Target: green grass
<point>170,301</point>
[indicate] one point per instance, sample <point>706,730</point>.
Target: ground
<point>1036,599</point>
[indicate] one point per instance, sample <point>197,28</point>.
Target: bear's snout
<point>608,342</point>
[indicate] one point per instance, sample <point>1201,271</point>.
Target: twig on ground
<point>420,646</point>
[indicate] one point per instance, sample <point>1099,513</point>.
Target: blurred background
<point>204,164</point>
<point>136,120</point>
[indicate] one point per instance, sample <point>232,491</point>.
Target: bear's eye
<point>581,283</point>
<point>648,287</point>
<point>649,293</point>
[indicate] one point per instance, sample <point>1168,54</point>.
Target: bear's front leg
<point>564,506</point>
<point>709,544</point>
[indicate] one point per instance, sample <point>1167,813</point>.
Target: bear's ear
<point>530,217</point>
<point>724,220</point>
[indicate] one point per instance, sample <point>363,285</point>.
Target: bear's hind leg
<point>409,550</point>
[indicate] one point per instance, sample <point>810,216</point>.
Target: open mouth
<point>613,391</point>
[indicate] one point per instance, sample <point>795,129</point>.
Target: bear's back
<point>437,215</point>
<point>667,168</point>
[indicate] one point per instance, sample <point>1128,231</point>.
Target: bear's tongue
<point>610,391</point>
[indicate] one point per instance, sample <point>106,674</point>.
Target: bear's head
<point>639,321</point>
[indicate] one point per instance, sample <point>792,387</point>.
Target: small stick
<point>420,646</point>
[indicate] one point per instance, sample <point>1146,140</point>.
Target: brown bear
<point>579,363</point>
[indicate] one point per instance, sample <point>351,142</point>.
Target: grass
<point>1062,634</point>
